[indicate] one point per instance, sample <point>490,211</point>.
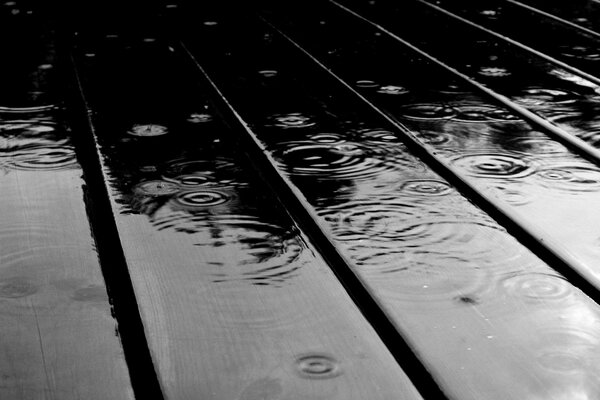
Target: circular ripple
<point>568,350</point>
<point>148,130</point>
<point>426,187</point>
<point>379,135</point>
<point>199,118</point>
<point>581,52</point>
<point>28,109</point>
<point>194,180</point>
<point>342,161</point>
<point>538,146</point>
<point>366,84</point>
<point>514,196</point>
<point>570,178</point>
<point>494,166</point>
<point>479,113</point>
<point>268,73</point>
<point>327,138</point>
<point>538,96</point>
<point>201,199</point>
<point>538,287</point>
<point>494,72</point>
<point>427,112</point>
<point>156,188</point>
<point>13,288</point>
<point>42,157</point>
<point>317,366</point>
<point>292,120</point>
<point>393,90</point>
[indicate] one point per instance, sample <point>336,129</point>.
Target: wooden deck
<point>300,200</point>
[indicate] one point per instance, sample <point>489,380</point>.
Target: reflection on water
<point>33,142</point>
<point>469,296</point>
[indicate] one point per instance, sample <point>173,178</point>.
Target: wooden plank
<point>58,339</point>
<point>235,301</point>
<point>540,200</point>
<point>488,318</point>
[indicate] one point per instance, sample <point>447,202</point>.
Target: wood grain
<point>235,301</point>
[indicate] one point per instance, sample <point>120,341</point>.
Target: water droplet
<point>199,118</point>
<point>489,13</point>
<point>268,73</point>
<point>570,178</point>
<point>495,166</point>
<point>394,90</point>
<point>210,23</point>
<point>13,288</point>
<point>292,120</point>
<point>342,161</point>
<point>45,66</point>
<point>327,138</point>
<point>201,199</point>
<point>148,130</point>
<point>156,188</point>
<point>581,52</point>
<point>149,40</point>
<point>366,84</point>
<point>538,287</point>
<point>318,366</point>
<point>494,72</point>
<point>481,113</point>
<point>427,111</point>
<point>25,110</point>
<point>427,187</point>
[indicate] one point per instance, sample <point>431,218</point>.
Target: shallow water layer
<point>229,286</point>
<point>464,293</point>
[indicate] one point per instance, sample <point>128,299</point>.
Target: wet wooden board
<point>551,204</point>
<point>58,337</point>
<point>235,301</point>
<point>474,303</point>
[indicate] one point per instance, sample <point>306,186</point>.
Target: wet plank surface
<point>316,199</point>
<point>235,301</point>
<point>447,275</point>
<point>58,336</point>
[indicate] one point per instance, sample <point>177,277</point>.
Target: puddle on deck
<point>472,300</point>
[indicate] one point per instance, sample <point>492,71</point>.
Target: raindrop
<point>426,187</point>
<point>45,66</point>
<point>35,109</point>
<point>427,111</point>
<point>343,160</point>
<point>210,23</point>
<point>292,120</point>
<point>366,84</point>
<point>394,90</point>
<point>570,178</point>
<point>148,130</point>
<point>489,13</point>
<point>495,166</point>
<point>268,73</point>
<point>317,366</point>
<point>199,118</point>
<point>201,199</point>
<point>156,188</point>
<point>538,287</point>
<point>479,113</point>
<point>494,72</point>
<point>327,138</point>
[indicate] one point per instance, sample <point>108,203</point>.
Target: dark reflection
<point>170,160</point>
<point>468,296</point>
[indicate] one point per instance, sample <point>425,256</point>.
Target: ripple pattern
<point>428,111</point>
<point>148,130</point>
<point>538,287</point>
<point>495,166</point>
<point>291,120</point>
<point>570,178</point>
